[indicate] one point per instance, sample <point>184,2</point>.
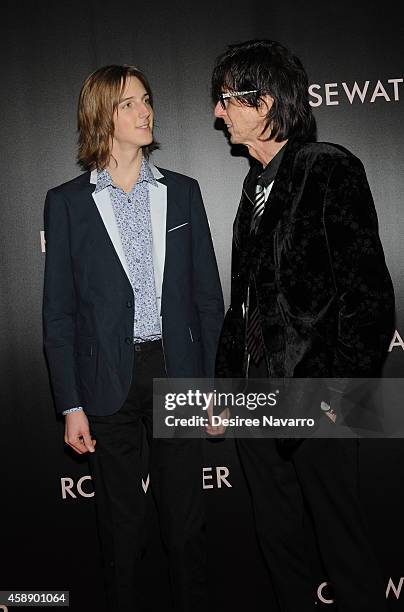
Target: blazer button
<point>129,340</point>
<point>129,303</point>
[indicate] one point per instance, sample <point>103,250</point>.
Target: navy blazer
<point>88,305</point>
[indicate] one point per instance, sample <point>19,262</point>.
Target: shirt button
<point>129,303</point>
<point>135,320</point>
<point>129,200</point>
<point>129,340</point>
<point>137,290</point>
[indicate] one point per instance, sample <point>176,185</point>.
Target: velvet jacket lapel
<point>279,200</point>
<point>247,246</point>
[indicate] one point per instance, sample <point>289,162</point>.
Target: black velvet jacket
<point>323,291</point>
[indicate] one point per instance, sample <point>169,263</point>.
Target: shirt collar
<point>269,173</point>
<point>104,178</point>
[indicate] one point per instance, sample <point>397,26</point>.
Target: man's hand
<point>216,430</point>
<point>77,432</point>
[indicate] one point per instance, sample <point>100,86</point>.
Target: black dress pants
<point>175,480</point>
<point>323,473</point>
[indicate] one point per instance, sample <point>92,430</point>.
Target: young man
<point>310,297</point>
<point>131,293</point>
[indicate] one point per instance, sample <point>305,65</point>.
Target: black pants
<point>323,473</point>
<point>175,468</point>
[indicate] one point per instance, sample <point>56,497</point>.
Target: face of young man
<point>133,118</point>
<point>244,123</point>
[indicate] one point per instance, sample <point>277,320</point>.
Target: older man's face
<point>245,124</point>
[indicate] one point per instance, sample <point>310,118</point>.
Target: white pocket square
<point>177,227</point>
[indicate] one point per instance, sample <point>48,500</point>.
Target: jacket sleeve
<point>363,284</point>
<point>207,289</point>
<point>59,304</point>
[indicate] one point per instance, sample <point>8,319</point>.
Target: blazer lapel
<point>104,205</point>
<point>158,214</point>
<point>242,221</point>
<point>280,197</point>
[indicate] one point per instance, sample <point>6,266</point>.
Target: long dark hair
<point>270,68</point>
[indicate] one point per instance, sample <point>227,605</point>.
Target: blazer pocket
<point>86,365</point>
<point>85,347</point>
<point>177,227</point>
<point>194,334</point>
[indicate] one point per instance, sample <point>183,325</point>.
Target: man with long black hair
<point>311,297</point>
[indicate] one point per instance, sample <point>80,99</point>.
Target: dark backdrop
<point>47,532</point>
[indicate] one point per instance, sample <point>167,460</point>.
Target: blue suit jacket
<point>88,305</point>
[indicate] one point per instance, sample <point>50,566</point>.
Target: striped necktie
<point>259,205</point>
<point>255,344</point>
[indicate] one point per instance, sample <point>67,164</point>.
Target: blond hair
<point>99,98</point>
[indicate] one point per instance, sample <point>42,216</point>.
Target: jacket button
<point>129,303</point>
<point>129,340</point>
